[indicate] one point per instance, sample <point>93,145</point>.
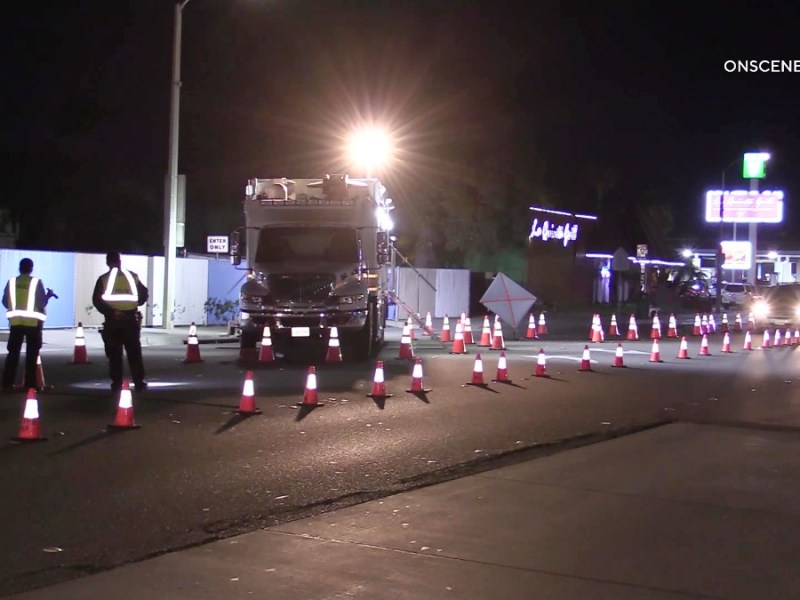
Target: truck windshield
<point>307,244</point>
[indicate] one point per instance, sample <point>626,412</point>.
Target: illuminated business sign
<point>738,255</point>
<point>549,224</point>
<point>550,231</point>
<point>744,206</point>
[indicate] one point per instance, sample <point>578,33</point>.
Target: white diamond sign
<point>507,299</point>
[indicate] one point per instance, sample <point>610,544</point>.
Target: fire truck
<point>318,254</point>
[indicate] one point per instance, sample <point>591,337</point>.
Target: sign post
<point>754,168</point>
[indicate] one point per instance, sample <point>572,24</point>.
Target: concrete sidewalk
<point>680,511</point>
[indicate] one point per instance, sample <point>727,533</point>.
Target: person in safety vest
<point>117,295</point>
<point>25,299</point>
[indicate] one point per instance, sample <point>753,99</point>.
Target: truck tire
<point>365,343</point>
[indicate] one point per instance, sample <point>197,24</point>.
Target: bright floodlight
<point>686,253</point>
<point>370,149</point>
<point>772,255</point>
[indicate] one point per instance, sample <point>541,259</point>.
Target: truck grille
<point>300,288</point>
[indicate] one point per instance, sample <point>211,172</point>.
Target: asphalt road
<point>87,499</point>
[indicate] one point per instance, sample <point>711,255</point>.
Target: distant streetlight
<point>369,149</point>
<point>171,199</point>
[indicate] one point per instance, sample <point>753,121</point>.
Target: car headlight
<point>761,309</point>
<point>797,311</point>
<point>354,299</point>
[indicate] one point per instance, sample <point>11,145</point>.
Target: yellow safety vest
<point>22,300</point>
<point>121,289</point>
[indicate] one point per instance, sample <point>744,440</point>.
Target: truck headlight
<point>354,299</point>
<point>761,309</point>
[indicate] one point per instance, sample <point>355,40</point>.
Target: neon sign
<point>550,231</point>
<point>744,206</point>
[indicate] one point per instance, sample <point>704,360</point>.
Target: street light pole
<point>171,199</point>
<point>720,253</point>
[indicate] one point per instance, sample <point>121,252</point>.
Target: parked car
<point>736,294</point>
<point>778,305</point>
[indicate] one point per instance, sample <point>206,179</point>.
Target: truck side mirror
<point>382,249</point>
<point>236,257</point>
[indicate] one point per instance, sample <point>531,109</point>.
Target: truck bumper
<point>309,325</point>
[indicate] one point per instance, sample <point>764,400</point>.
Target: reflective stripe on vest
<point>111,297</point>
<point>29,312</point>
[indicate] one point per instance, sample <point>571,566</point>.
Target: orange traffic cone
<point>655,328</point>
<point>266,354</point>
<point>40,381</point>
<point>766,342</point>
<point>751,322</point>
<point>595,321</point>
<point>417,385</point>
<point>683,352</point>
<point>796,338</point>
<point>428,329</point>
<point>445,337</point>
<point>748,342</point>
<point>597,330</point>
<point>310,397</point>
<point>30,428</point>
<point>586,363</point>
<point>704,325</point>
<point>124,418</point>
<point>79,356</point>
<point>618,357</point>
<point>541,365</point>
<point>541,329</point>
<point>633,329</point>
<point>530,333</point>
<point>502,370</point>
<point>726,343</point>
<point>410,325</point>
<point>247,405</point>
<point>406,349</point>
<point>477,373</point>
<point>498,343</point>
<point>698,325</point>
<point>723,327</point>
<point>778,341</point>
<point>787,338</point>
<point>378,383</point>
<point>458,341</point>
<point>192,347</point>
<point>468,339</point>
<point>712,324</point>
<point>737,323</point>
<point>672,327</point>
<point>704,346</point>
<point>486,333</point>
<point>655,354</point>
<point>613,330</point>
<point>334,354</point>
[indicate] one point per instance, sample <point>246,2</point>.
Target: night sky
<point>557,93</point>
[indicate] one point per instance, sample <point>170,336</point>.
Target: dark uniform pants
<point>119,334</point>
<point>32,336</point>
